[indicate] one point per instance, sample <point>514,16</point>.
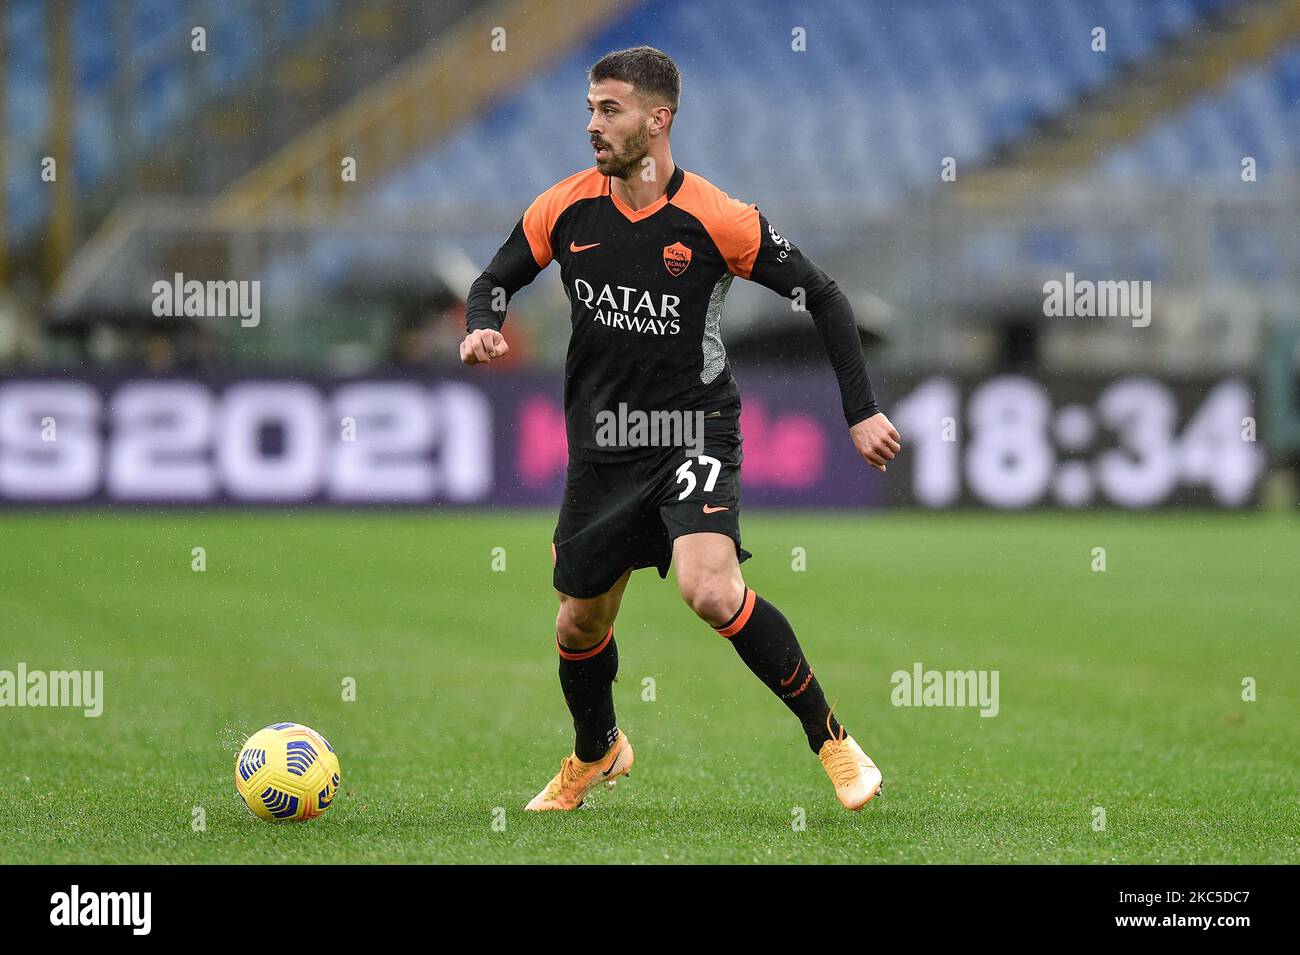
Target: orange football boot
<point>576,778</point>
<point>856,778</point>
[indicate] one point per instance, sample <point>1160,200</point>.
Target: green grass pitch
<point>1119,689</point>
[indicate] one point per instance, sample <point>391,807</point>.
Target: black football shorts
<point>621,515</point>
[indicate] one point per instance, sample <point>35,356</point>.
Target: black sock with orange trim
<point>587,678</point>
<point>766,642</point>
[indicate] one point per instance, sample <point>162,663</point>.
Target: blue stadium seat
<point>243,30</point>
<point>1256,114</point>
<point>879,98</point>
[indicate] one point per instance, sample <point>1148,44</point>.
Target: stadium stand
<point>1256,115</point>
<point>149,71</point>
<point>464,139</point>
<point>901,94</point>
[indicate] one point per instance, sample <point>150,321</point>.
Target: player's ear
<point>661,118</point>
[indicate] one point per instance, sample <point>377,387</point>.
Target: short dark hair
<point>651,72</point>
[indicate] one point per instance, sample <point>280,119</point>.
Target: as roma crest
<point>676,258</point>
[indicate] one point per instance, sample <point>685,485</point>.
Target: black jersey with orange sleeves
<point>646,289</point>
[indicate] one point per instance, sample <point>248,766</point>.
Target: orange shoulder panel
<point>732,224</point>
<point>541,216</point>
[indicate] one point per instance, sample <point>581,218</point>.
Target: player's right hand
<point>481,346</point>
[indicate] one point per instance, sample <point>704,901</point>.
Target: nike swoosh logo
<point>714,510</point>
<point>574,247</point>
<point>790,679</point>
<point>612,764</point>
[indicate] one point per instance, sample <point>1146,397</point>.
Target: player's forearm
<point>782,267</point>
<point>513,267</point>
<point>833,316</point>
<point>479,311</point>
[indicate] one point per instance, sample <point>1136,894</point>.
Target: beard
<point>622,163</point>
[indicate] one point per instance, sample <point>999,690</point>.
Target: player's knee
<point>715,598</point>
<point>579,627</point>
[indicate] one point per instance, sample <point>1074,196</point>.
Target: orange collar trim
<point>636,215</point>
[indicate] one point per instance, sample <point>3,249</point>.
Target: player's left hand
<point>876,440</point>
